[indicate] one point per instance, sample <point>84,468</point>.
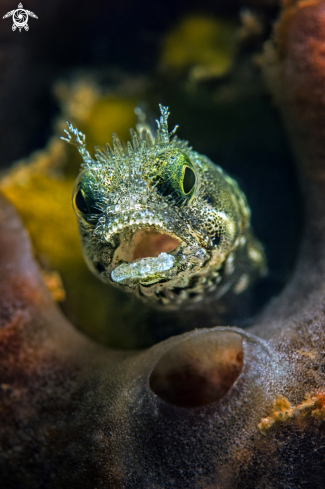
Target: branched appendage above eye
<point>162,221</point>
<point>78,139</point>
<point>163,136</point>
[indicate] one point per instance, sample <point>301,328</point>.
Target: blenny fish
<point>162,221</point>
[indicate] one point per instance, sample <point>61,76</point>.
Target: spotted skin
<point>157,190</point>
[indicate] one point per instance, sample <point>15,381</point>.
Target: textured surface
<point>157,195</point>
<point>74,414</point>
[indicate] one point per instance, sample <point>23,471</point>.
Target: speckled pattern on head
<point>162,221</point>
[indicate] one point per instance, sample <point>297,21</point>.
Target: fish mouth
<point>146,256</point>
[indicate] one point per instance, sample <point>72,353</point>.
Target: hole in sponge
<point>199,371</point>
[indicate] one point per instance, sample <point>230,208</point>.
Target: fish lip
<point>136,224</point>
<point>167,275</point>
<point>118,227</point>
<point>145,270</point>
<point>144,279</point>
<point>178,255</point>
<point>141,216</point>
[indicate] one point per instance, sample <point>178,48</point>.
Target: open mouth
<point>143,256</point>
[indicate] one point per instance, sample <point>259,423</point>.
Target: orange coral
<point>282,410</point>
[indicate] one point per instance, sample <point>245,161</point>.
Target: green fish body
<point>162,221</point>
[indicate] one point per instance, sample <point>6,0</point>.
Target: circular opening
<point>199,371</point>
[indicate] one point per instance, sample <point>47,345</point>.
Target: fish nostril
<point>198,371</point>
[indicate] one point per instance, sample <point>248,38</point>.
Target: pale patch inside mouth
<point>153,243</point>
<point>145,254</point>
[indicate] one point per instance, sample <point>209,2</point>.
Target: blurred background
<point>117,36</point>
<point>93,63</point>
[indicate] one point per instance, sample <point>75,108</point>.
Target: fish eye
<point>84,201</point>
<point>188,180</point>
<point>176,176</point>
<point>80,202</point>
